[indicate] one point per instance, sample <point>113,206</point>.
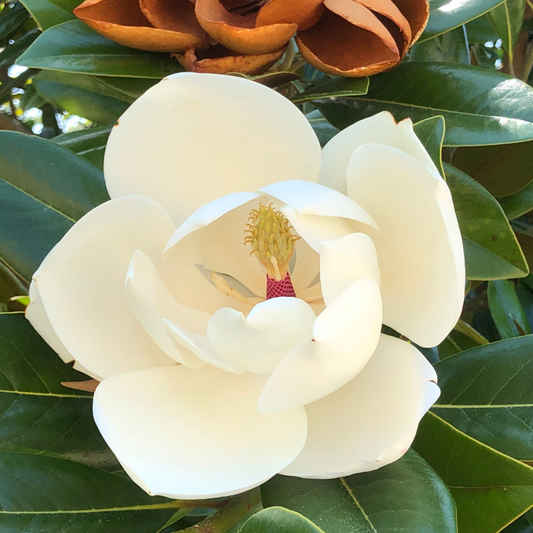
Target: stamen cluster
<point>270,235</point>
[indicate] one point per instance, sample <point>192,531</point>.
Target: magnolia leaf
<point>46,14</point>
<point>487,392</point>
<point>445,15</point>
<point>507,20</point>
<point>479,106</point>
<point>506,310</point>
<point>40,202</point>
<point>406,495</point>
<point>74,47</point>
<point>322,128</point>
<point>490,489</point>
<point>279,520</point>
<point>491,249</point>
<point>89,144</point>
<point>431,133</point>
<point>334,89</point>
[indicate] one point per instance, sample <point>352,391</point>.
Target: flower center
<point>272,240</point>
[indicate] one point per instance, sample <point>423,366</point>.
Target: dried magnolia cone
<point>340,37</point>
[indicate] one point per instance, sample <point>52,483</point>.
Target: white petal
<point>36,314</point>
<point>380,128</point>
<point>419,245</point>
<point>152,302</point>
<point>213,237</point>
<point>344,337</point>
<point>193,138</point>
<point>345,261</point>
<point>200,346</point>
<point>257,343</point>
<point>314,199</point>
<point>81,283</point>
<point>195,434</point>
<point>371,421</point>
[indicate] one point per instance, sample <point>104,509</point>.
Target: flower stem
<point>236,509</point>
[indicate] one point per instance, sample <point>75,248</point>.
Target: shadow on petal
<point>122,21</point>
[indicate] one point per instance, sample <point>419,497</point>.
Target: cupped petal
<point>372,420</point>
<point>345,336</point>
<point>304,13</point>
<point>125,23</point>
<point>345,261</point>
<point>213,236</point>
<point>152,302</point>
<point>258,342</point>
<point>239,32</point>
<point>419,245</point>
<point>174,15</point>
<point>417,13</point>
<point>380,128</point>
<point>36,315</point>
<point>221,60</point>
<point>193,138</point>
<point>81,283</point>
<point>195,434</point>
<point>348,40</point>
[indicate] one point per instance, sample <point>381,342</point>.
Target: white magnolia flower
<point>209,386</point>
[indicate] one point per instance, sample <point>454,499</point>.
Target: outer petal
<point>36,314</point>
<point>238,32</point>
<point>195,434</point>
<point>257,343</point>
<point>124,23</point>
<point>345,261</point>
<point>419,244</point>
<point>371,421</point>
<point>81,283</point>
<point>152,302</point>
<point>194,137</point>
<point>380,128</point>
<point>344,337</point>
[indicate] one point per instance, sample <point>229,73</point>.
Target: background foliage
<point>467,86</point>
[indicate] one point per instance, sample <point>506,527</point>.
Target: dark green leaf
<point>333,89</point>
<point>450,47</point>
<point>11,18</point>
<point>279,520</point>
<point>507,20</point>
<point>322,128</point>
<point>80,95</point>
<point>89,144</point>
<point>10,53</point>
<point>37,413</point>
<point>444,15</point>
<point>30,98</point>
<point>491,249</point>
<point>480,106</point>
<point>74,47</point>
<point>518,204</point>
<point>503,170</point>
<point>44,189</point>
<point>11,285</point>
<point>487,392</point>
<point>506,309</point>
<point>431,133</point>
<point>42,494</point>
<point>404,496</point>
<point>46,14</point>
<point>489,488</point>
<point>521,525</point>
<point>480,31</point>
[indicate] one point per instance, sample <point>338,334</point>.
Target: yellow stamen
<point>270,235</point>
